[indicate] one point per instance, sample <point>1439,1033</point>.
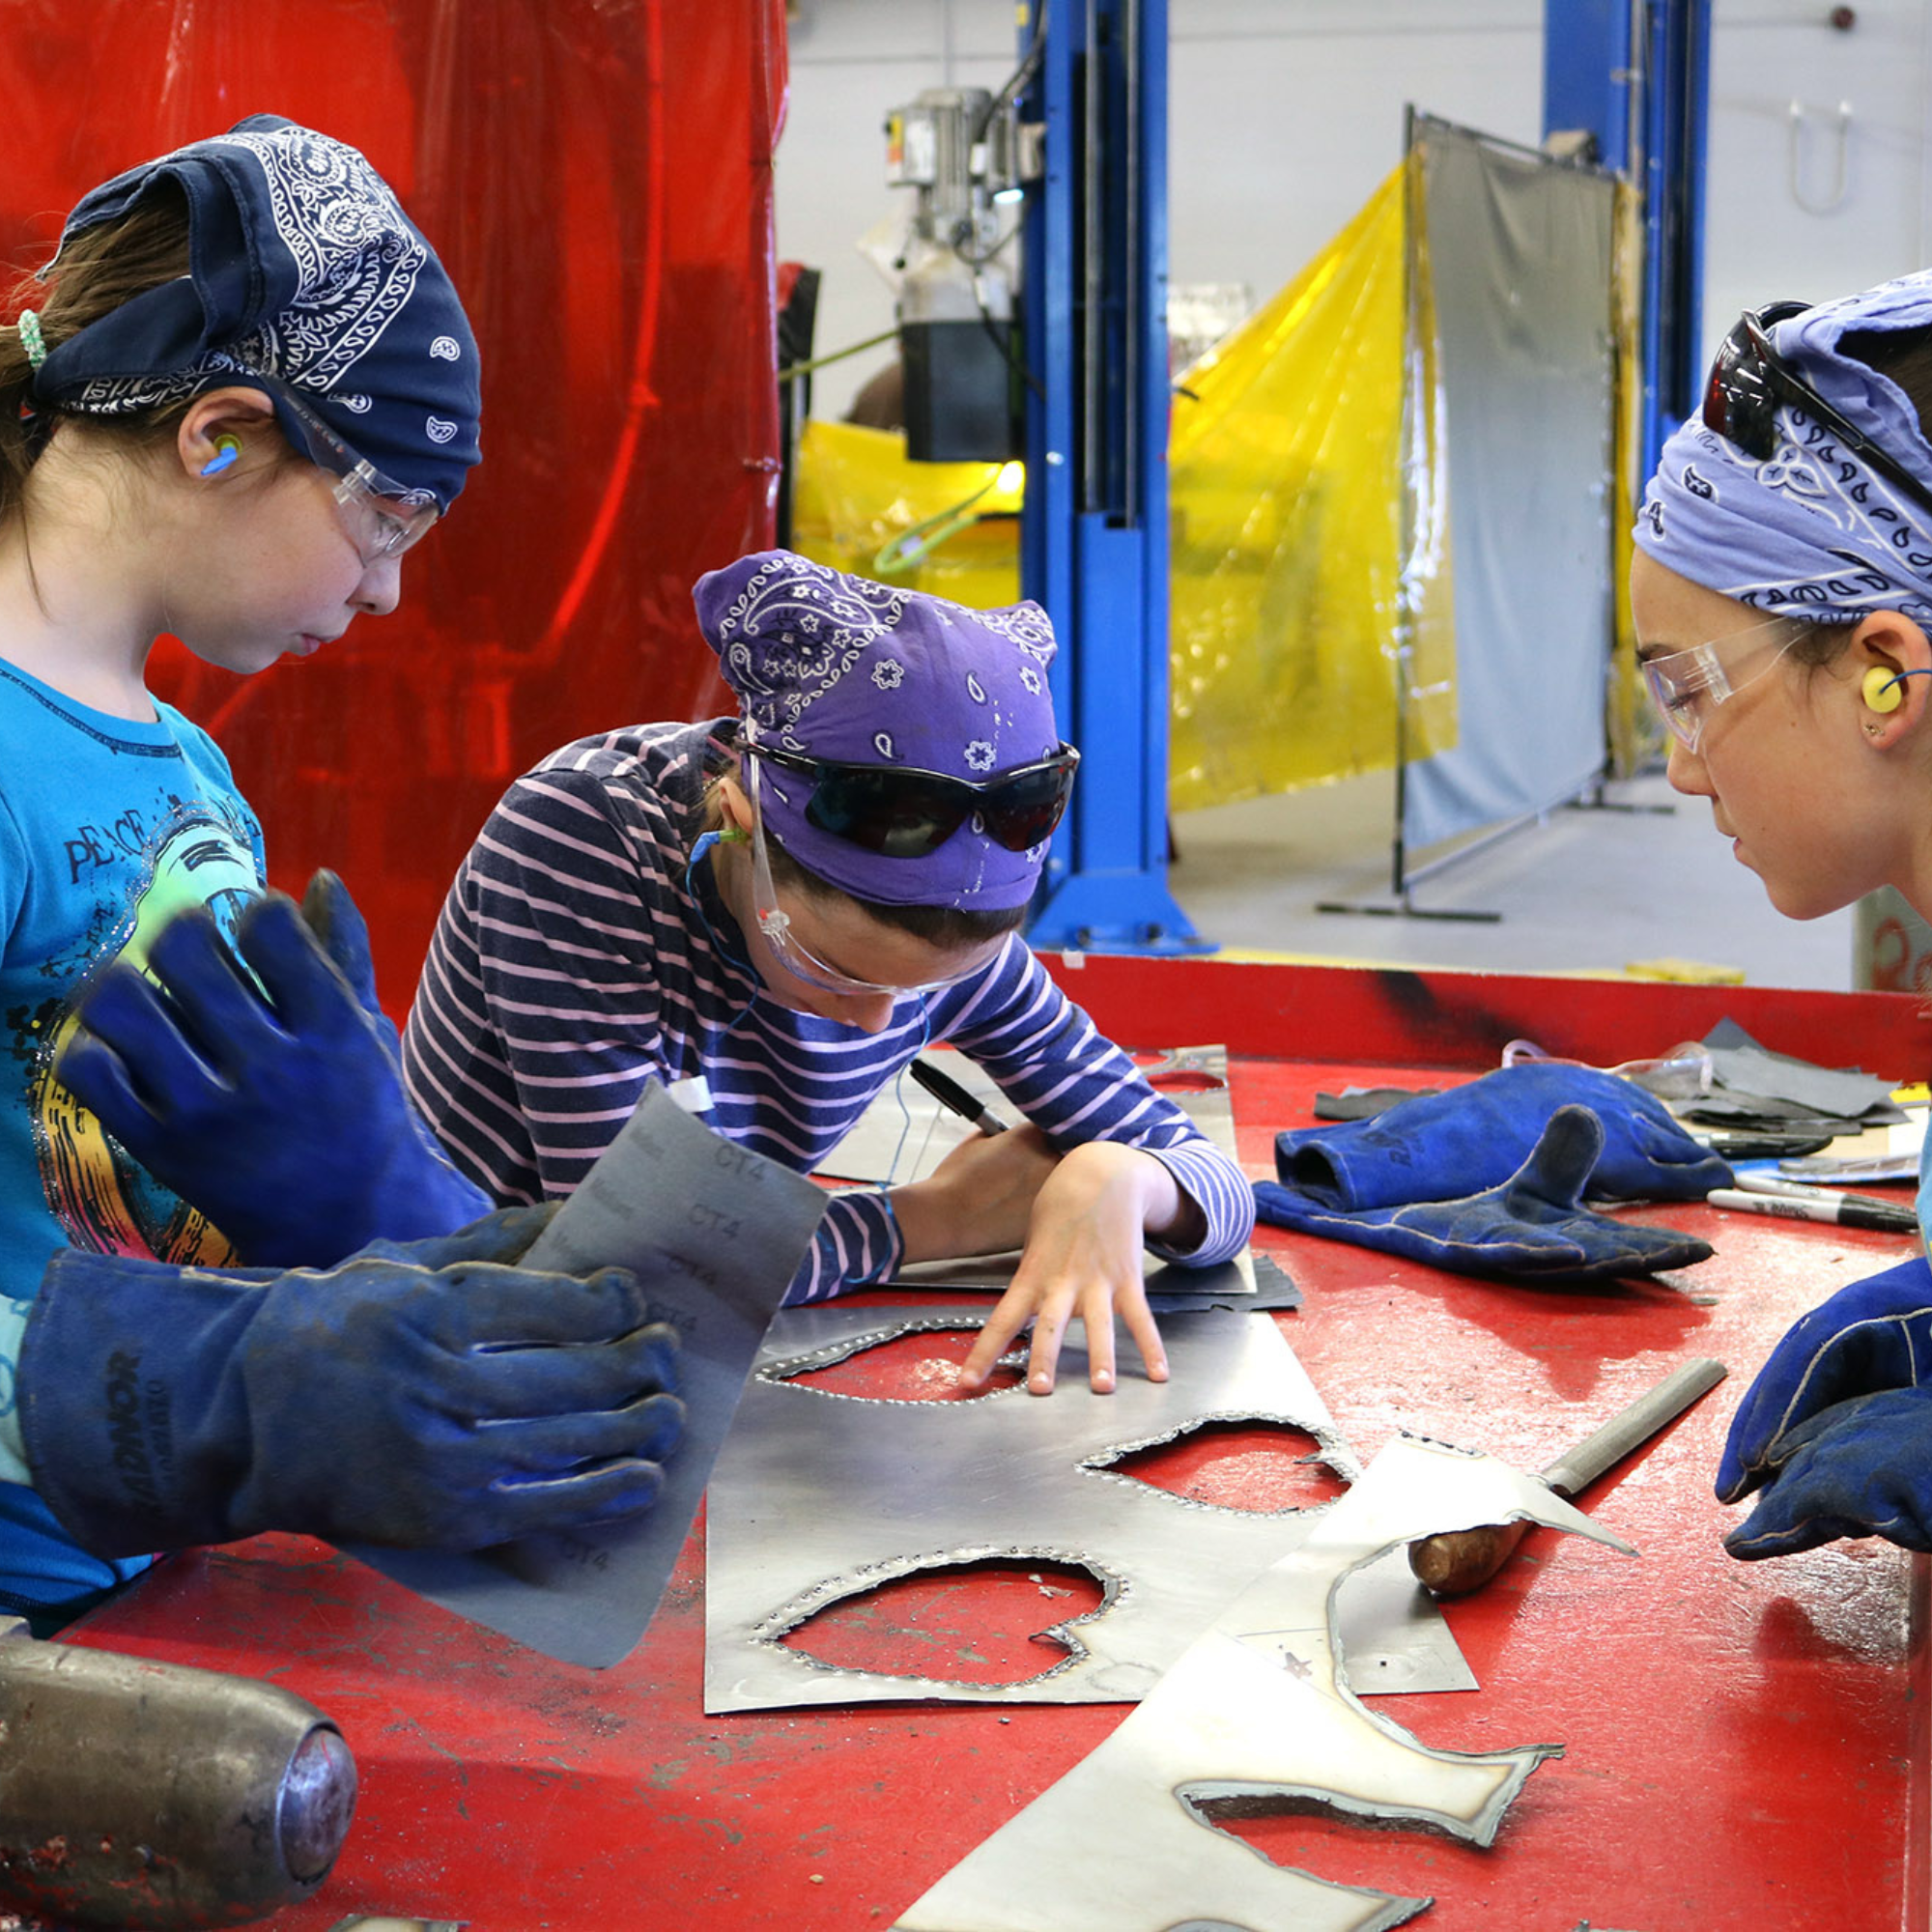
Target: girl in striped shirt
<point>786,907</point>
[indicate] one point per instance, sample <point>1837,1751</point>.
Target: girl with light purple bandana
<point>789,905</point>
<point>1782,599</point>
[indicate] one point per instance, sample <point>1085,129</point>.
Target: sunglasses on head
<point>1749,381</point>
<point>904,813</point>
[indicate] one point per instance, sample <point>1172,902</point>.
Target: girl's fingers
<point>1145,1331</point>
<point>1099,1315</point>
<point>1008,1317</point>
<point>1049,1329</point>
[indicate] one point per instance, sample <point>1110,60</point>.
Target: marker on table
<point>1882,1215</point>
<point>1755,1181</point>
<point>952,1097</point>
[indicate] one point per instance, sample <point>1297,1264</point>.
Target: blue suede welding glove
<point>431,1395</point>
<point>1836,1427</point>
<point>1441,1147</point>
<point>1861,1467</point>
<point>275,1106</point>
<point>1532,1229</point>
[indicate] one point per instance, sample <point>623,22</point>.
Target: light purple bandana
<point>1813,532</point>
<point>837,668</point>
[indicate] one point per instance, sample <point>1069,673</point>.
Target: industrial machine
<point>959,148</point>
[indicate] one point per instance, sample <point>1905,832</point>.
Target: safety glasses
<point>798,958</point>
<point>1749,381</point>
<point>1688,686</point>
<point>903,813</point>
<point>382,516</point>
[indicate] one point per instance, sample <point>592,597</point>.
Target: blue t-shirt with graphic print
<point>107,827</point>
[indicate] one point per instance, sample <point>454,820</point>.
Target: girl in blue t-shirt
<point>240,391</point>
<point>214,422</point>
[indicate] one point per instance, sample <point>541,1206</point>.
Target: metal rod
<point>1523,148</point>
<point>1493,834</point>
<point>1404,596</point>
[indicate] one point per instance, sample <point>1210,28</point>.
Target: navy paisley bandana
<point>303,270</point>
<point>1813,532</point>
<point>840,668</point>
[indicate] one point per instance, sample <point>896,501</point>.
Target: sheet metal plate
<point>713,1232</point>
<point>1258,1706</point>
<point>819,1497</point>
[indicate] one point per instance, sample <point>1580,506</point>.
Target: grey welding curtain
<point>1518,251</point>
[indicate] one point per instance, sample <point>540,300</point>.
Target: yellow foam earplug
<point>1884,690</point>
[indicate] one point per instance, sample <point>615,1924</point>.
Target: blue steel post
<point>1093,530</point>
<point>1588,76</point>
<point>1678,113</point>
<point>1636,75</point>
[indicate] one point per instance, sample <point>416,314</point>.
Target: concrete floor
<point>1580,891</point>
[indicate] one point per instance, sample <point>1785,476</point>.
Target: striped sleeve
<point>857,1243</point>
<point>1075,1085</point>
<point>536,1023</point>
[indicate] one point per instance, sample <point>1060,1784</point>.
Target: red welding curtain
<point>596,174</point>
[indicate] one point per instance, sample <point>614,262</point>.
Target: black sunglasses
<point>1749,379</point>
<point>903,813</point>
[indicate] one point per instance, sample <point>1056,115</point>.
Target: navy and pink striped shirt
<point>582,954</point>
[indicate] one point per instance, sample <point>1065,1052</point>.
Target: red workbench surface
<point>1746,1745</point>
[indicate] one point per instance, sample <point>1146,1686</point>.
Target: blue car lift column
<point>1639,77</point>
<point>1093,530</point>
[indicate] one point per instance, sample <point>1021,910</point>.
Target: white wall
<point>1285,114</point>
<point>852,62</point>
<point>1761,240</point>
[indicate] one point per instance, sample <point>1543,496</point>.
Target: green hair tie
<point>31,338</point>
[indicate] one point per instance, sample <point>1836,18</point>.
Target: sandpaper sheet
<point>1755,1082</point>
<point>715,1234</point>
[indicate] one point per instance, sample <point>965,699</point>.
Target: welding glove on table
<point>1490,1178</point>
<point>275,1105</point>
<point>429,1394</point>
<point>1835,1434</point>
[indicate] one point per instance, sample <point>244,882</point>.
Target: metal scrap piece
<point>818,1498</point>
<point>1261,1705</point>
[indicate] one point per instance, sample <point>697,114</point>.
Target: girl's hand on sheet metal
<point>1083,1257</point>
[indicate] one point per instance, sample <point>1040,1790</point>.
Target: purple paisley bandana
<point>1813,532</point>
<point>839,668</point>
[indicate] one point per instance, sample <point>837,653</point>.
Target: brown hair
<point>96,273</point>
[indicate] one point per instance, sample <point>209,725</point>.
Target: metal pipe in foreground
<point>134,1793</point>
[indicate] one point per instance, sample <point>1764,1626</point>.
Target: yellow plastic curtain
<point>1287,529</point>
<point>1636,732</point>
<point>950,529</point>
